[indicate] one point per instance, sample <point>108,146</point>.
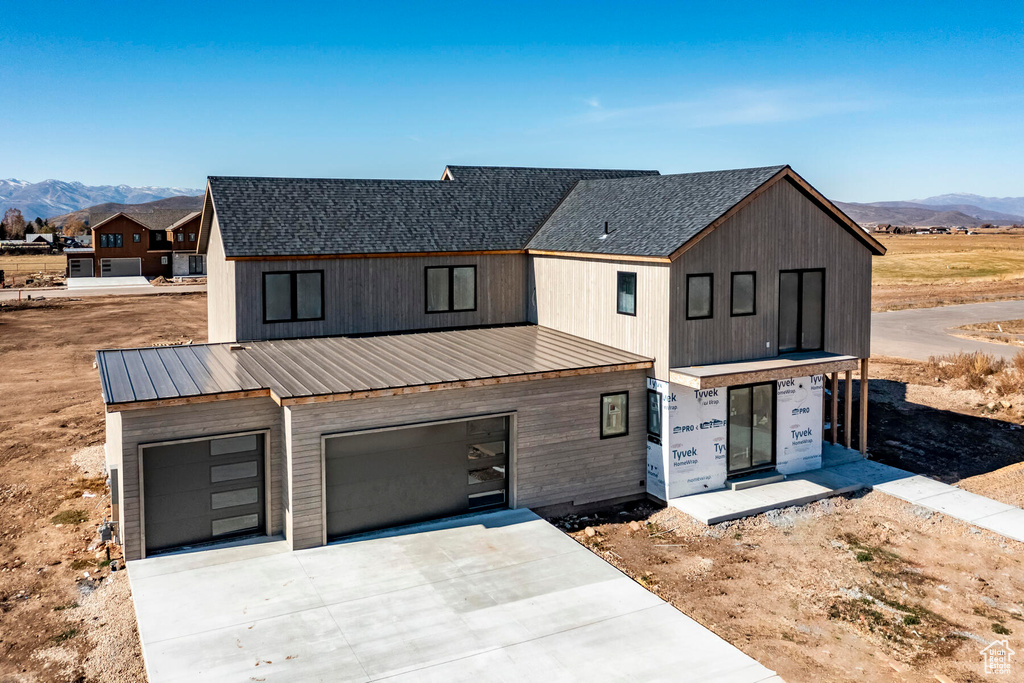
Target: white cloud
<point>593,102</point>
<point>736,107</point>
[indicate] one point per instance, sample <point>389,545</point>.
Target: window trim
<point>711,296</point>
<point>600,408</point>
<point>107,238</point>
<point>800,310</point>
<point>734,474</point>
<point>661,398</point>
<point>294,296</point>
<point>451,289</point>
<point>732,293</point>
<point>619,277</point>
<point>136,237</point>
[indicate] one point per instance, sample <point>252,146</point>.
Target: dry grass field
<point>33,263</point>
<point>940,270</point>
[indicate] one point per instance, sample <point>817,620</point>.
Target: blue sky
<point>867,101</point>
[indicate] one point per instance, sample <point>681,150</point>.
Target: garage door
<point>398,476</point>
<point>202,491</point>
<point>120,267</point>
<point>80,267</point>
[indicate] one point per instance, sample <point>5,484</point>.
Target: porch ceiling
<point>761,369</point>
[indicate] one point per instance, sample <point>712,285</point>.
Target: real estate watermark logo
<point>997,656</point>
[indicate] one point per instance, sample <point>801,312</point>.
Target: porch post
<point>835,408</point>
<point>862,434</point>
<point>847,408</point>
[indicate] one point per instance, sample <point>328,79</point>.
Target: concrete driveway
<point>918,333</point>
<point>502,596</point>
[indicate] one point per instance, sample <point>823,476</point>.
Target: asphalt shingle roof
<point>647,216</point>
<point>154,219</point>
<point>480,209</point>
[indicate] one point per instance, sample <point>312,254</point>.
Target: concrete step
<point>753,480</point>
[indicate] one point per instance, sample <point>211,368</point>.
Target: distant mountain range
<point>969,210</point>
<point>51,198</point>
<point>62,201</point>
<point>101,211</point>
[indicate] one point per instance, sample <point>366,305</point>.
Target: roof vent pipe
<point>606,227</point>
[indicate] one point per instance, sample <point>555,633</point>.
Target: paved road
<point>12,294</point>
<point>922,332</point>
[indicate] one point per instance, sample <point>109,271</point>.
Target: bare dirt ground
<point>64,615</point>
<point>920,423</point>
<point>857,588</point>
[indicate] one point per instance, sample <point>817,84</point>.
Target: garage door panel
<point>402,476</point>
<point>120,267</point>
<point>204,490</point>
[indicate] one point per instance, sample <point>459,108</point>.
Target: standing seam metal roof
<point>340,365</point>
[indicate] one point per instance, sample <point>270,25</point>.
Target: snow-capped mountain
<point>54,197</point>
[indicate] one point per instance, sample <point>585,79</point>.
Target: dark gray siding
<point>780,230</point>
<point>381,295</point>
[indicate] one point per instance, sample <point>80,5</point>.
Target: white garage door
<point>80,267</point>
<point>120,267</point>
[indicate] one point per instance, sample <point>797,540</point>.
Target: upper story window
<point>626,293</point>
<point>699,292</point>
<point>136,237</point>
<point>450,288</point>
<point>181,237</point>
<point>743,299</point>
<point>111,239</point>
<point>191,237</point>
<point>801,310</point>
<point>291,296</point>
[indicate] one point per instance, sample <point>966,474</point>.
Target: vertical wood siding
<point>558,455</point>
<point>579,296</point>
<point>379,295</point>
<point>185,422</point>
<point>220,289</point>
<point>780,230</point>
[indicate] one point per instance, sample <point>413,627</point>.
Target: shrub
<point>972,369</point>
<point>911,620</point>
<point>864,556</point>
<point>1001,630</point>
<point>69,517</point>
<point>1018,361</point>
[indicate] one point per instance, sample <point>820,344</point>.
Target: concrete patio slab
<point>499,596</point>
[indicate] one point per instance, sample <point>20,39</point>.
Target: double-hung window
<point>626,293</point>
<point>450,288</point>
<point>291,296</point>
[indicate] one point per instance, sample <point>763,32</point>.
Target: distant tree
<point>75,228</point>
<point>14,224</point>
<point>39,222</point>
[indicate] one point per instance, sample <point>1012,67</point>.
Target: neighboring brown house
<point>125,244</point>
<point>184,237</point>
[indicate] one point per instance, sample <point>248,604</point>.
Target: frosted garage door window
<point>230,525</point>
<point>238,470</point>
<point>234,444</point>
<point>228,499</point>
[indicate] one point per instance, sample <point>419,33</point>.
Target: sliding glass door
<point>801,310</point>
<point>751,428</point>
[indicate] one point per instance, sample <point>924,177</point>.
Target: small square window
<point>136,237</point>
<point>743,297</point>
<point>654,413</point>
<point>291,296</point>
<point>191,237</point>
<point>699,293</point>
<point>450,288</point>
<point>181,237</point>
<point>163,260</point>
<point>626,293</point>
<point>614,414</point>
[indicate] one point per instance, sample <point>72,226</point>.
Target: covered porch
<point>836,369</point>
